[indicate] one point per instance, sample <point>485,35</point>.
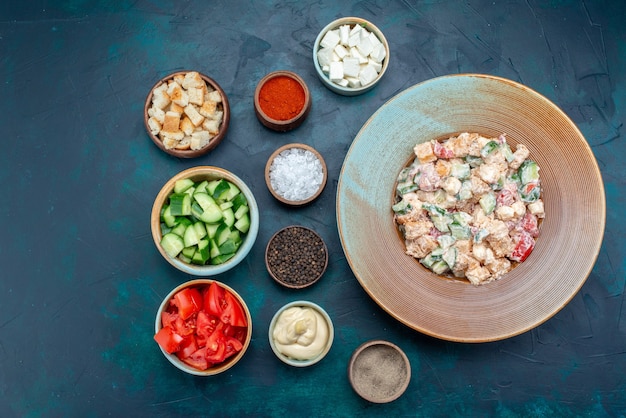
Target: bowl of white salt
<point>296,174</point>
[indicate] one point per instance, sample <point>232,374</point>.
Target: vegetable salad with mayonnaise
<point>469,206</point>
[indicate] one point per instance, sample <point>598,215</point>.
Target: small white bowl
<point>302,363</point>
<point>349,91</point>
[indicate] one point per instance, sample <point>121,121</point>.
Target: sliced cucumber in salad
<point>204,222</point>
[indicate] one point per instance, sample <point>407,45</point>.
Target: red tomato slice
<point>168,339</point>
<point>214,299</point>
<point>523,248</point>
<point>198,360</point>
<point>233,346</point>
<point>233,313</point>
<point>216,347</point>
<point>442,152</point>
<point>188,301</point>
<point>187,347</point>
<point>205,326</point>
<point>530,224</point>
<point>168,318</point>
<point>184,328</point>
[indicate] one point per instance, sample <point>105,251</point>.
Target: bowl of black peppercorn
<point>296,257</point>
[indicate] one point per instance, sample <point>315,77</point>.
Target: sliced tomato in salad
<point>216,347</point>
<point>168,339</point>
<point>233,313</point>
<point>187,347</point>
<point>197,359</point>
<point>213,299</point>
<point>233,346</point>
<point>189,301</point>
<point>523,248</point>
<point>205,326</point>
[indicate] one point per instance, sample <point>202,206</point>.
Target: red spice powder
<point>281,98</point>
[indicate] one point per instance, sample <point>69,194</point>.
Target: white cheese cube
<point>374,39</point>
<point>351,67</point>
<point>325,56</point>
<point>343,82</point>
<point>326,68</point>
<point>354,52</point>
<point>341,51</point>
<point>336,71</point>
<point>344,34</point>
<point>364,46</point>
<point>353,40</point>
<point>378,53</point>
<point>330,39</point>
<point>353,82</point>
<point>367,75</point>
<point>356,29</point>
<point>536,208</point>
<point>377,65</point>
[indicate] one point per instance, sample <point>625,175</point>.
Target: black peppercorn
<point>296,256</point>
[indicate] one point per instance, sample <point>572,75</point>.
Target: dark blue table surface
<point>81,279</point>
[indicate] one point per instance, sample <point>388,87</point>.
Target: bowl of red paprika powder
<point>282,101</point>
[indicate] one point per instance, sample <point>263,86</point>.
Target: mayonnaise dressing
<point>300,333</point>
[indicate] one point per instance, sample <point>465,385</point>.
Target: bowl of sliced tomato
<point>203,327</point>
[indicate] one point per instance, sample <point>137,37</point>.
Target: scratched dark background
<point>80,278</point>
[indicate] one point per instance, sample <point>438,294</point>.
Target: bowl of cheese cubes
<point>186,114</point>
<point>351,55</point>
<point>204,220</point>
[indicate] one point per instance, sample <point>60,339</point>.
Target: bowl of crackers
<point>186,114</point>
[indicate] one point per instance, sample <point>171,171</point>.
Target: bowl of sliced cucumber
<point>204,220</point>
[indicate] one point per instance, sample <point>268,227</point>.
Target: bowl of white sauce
<point>301,333</point>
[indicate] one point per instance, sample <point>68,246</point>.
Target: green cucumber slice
<point>243,224</point>
<point>167,217</point>
<point>200,229</point>
<point>211,229</point>
<point>220,188</point>
<point>222,258</point>
<point>181,225</point>
<point>180,204</point>
<point>191,237</point>
<point>183,184</point>
<point>488,203</point>
<point>238,201</point>
<point>241,210</point>
<point>222,234</point>
<point>229,217</point>
<point>172,244</point>
<point>188,252</point>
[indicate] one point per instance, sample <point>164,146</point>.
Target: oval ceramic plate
<point>570,236</point>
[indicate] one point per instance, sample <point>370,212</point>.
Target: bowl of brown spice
<point>282,101</point>
<point>296,257</point>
